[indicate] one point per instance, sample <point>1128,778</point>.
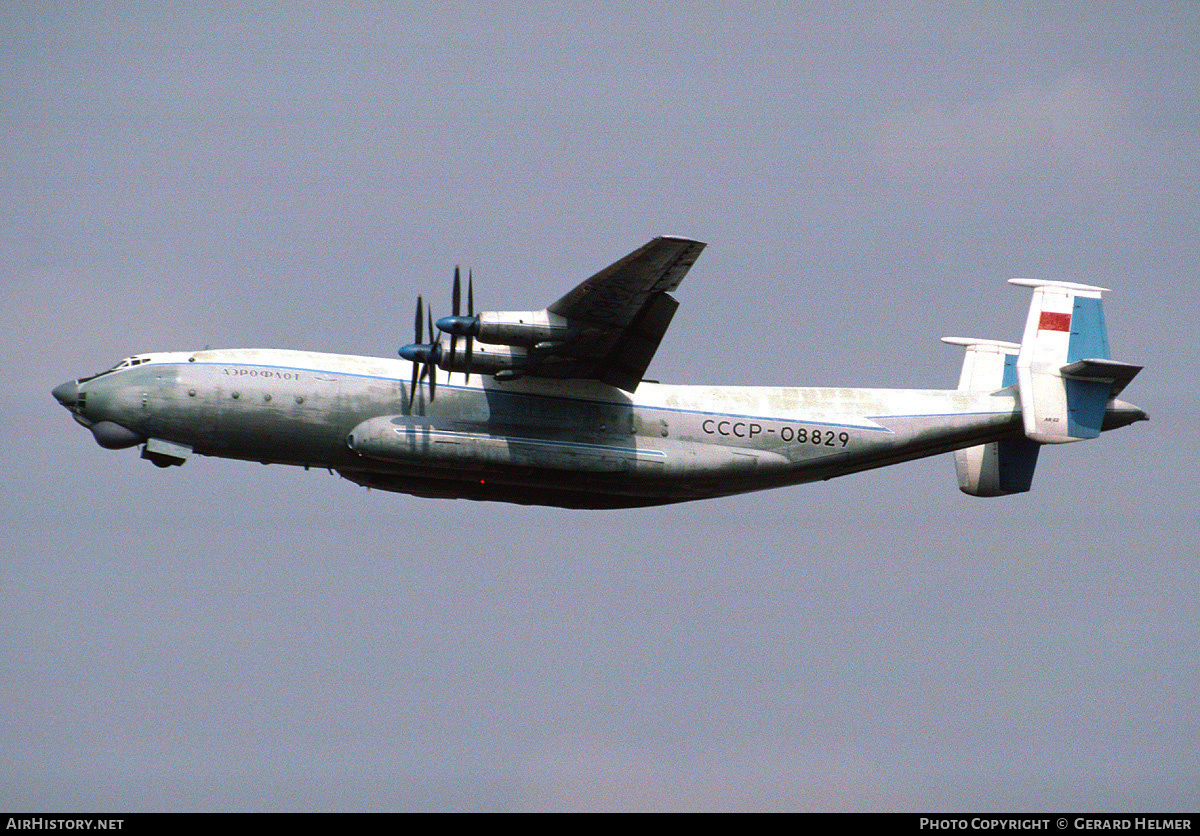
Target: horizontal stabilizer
<point>1115,373</point>
<point>987,364</point>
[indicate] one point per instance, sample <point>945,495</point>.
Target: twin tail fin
<point>1064,377</point>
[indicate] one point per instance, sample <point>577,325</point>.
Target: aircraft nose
<point>67,393</point>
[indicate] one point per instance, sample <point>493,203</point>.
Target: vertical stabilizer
<point>1065,326</point>
<point>998,467</point>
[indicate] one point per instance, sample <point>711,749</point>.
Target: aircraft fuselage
<point>576,443</point>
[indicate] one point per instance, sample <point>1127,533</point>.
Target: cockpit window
<point>129,361</point>
<point>124,364</point>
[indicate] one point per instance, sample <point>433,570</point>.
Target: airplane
<point>551,407</point>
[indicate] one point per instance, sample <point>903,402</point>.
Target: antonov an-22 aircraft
<point>550,407</point>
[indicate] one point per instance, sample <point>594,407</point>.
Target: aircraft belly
<point>511,485</point>
<point>572,488</point>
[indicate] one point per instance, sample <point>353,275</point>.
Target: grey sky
<point>867,176</point>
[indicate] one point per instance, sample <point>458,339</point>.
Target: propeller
<point>422,354</point>
<point>457,324</point>
<point>425,356</point>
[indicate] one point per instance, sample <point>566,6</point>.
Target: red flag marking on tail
<point>1054,321</point>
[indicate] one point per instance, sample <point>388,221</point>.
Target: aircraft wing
<point>620,314</point>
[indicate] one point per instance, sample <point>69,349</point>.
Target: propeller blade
<point>470,312</point>
<point>412,392</point>
<point>430,364</point>
<point>455,304</point>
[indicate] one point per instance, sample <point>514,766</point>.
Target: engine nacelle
<point>522,327</point>
<point>485,359</point>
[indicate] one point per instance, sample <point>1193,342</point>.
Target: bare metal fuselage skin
<point>580,444</point>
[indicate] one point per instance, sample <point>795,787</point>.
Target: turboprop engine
<point>511,341</point>
<point>483,360</point>
<point>518,328</point>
